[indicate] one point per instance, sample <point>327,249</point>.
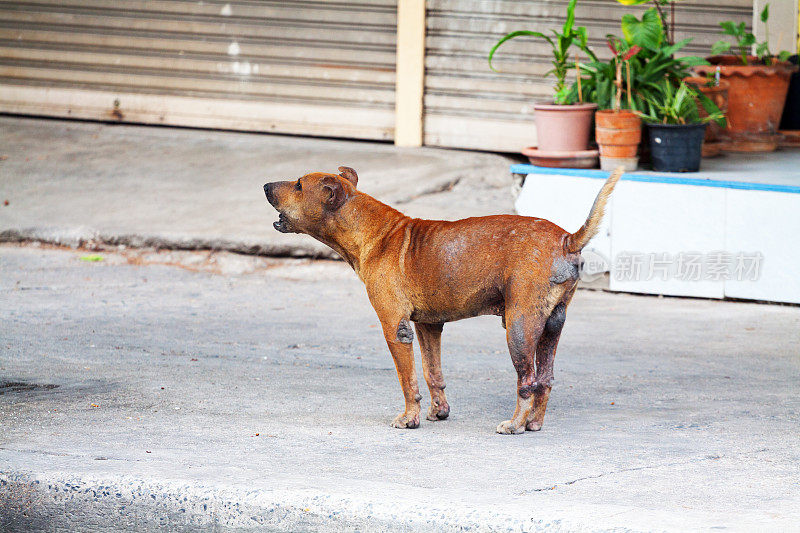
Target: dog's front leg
<point>399,337</point>
<point>430,344</point>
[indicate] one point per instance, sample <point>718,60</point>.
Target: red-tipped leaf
<point>632,52</point>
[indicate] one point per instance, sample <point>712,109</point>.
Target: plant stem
<point>663,19</point>
<point>628,72</point>
<point>671,24</point>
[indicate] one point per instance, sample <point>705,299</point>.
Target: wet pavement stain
<point>21,386</point>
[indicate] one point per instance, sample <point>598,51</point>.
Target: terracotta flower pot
<point>618,134</point>
<point>756,98</point>
<point>563,128</point>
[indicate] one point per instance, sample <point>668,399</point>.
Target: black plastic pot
<point>676,147</point>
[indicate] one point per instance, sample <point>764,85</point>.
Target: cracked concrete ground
<point>185,391</point>
<point>69,182</point>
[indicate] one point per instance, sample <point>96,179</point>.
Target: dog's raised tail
<point>581,238</point>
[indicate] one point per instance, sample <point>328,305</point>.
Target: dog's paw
<point>406,421</point>
<point>533,425</point>
<point>438,412</point>
<point>509,428</point>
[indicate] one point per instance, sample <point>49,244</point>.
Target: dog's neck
<point>354,239</point>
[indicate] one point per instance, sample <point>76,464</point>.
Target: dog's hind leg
<point>430,344</point>
<point>545,356</point>
<point>524,327</point>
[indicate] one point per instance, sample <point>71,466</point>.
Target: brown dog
<point>430,272</point>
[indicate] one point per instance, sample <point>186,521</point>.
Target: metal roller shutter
<point>318,67</point>
<point>469,106</point>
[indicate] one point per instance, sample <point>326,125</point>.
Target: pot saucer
<point>744,142</point>
<point>565,159</point>
<point>712,149</point>
<point>791,138</point>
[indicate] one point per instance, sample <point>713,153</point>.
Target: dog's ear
<point>336,193</point>
<point>349,174</point>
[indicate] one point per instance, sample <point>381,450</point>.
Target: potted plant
<point>564,124</point>
<point>676,127</point>
<point>618,132</point>
<point>758,87</point>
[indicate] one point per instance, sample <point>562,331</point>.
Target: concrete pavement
<point>69,182</point>
<point>147,392</point>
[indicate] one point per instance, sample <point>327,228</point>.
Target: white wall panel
<point>767,223</point>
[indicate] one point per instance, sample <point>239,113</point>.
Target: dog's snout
<point>268,192</point>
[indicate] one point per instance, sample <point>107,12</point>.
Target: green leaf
<point>692,61</point>
<point>728,28</point>
<point>583,42</point>
<point>762,49</point>
<point>646,118</point>
<point>514,34</point>
<point>92,258</point>
<point>784,55</point>
<point>740,29</point>
<point>686,108</point>
<point>561,52</point>
<point>765,13</point>
<point>583,37</point>
<point>567,30</point>
<point>720,47</point>
<point>562,96</point>
<point>747,40</point>
<point>714,112</point>
<point>670,50</point>
<point>647,33</point>
<point>605,94</point>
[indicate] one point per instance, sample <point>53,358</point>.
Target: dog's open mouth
<point>282,224</point>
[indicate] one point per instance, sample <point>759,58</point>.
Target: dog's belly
<point>451,315</point>
<point>440,306</point>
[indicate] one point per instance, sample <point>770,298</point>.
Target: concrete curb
<point>40,502</point>
<point>83,236</point>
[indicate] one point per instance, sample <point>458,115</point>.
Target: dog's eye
<point>297,186</point>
